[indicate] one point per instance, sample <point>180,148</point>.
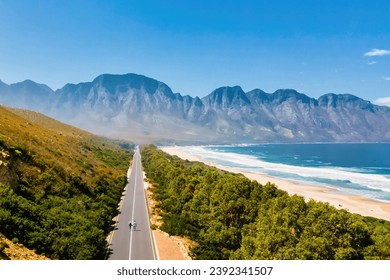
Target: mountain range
<point>139,108</point>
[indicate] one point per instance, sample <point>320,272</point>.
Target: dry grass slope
<point>50,140</point>
<point>11,251</point>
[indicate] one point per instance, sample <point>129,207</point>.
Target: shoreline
<point>351,203</point>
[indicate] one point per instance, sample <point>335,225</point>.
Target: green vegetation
<point>59,186</point>
<point>232,217</point>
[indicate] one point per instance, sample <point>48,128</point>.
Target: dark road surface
<point>133,244</point>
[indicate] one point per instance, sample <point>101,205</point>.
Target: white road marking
<point>132,213</point>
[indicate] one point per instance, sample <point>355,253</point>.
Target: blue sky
<point>315,47</point>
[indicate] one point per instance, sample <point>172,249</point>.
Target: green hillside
<point>59,186</point>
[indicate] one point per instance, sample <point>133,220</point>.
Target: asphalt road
<point>133,244</point>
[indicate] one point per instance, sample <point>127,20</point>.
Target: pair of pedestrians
<point>133,225</point>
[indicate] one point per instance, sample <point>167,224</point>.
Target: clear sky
<point>315,47</point>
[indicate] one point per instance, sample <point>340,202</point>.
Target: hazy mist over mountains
<point>139,108</point>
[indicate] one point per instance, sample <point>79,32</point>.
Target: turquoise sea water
<point>359,169</point>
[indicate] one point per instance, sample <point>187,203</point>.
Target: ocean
<point>357,169</point>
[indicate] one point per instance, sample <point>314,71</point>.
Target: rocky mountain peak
<point>122,83</point>
<point>28,86</point>
<point>283,95</point>
<point>345,100</point>
<point>226,97</point>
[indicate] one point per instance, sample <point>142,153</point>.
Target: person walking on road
<point>135,225</point>
<point>130,224</point>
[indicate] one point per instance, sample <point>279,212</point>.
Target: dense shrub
<point>232,217</point>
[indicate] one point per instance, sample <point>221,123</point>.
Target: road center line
<point>132,213</point>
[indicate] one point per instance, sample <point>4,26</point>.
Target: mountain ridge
<point>140,108</point>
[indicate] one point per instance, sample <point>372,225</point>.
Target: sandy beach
<point>352,203</point>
